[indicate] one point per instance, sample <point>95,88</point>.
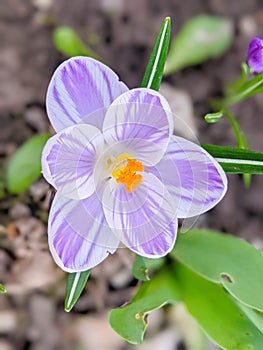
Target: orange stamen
<point>124,170</point>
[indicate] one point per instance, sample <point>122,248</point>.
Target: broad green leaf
<point>25,165</point>
<point>129,322</point>
<point>193,337</point>
<point>224,259</point>
<point>216,312</point>
<point>141,267</point>
<point>214,117</point>
<point>67,42</point>
<point>237,161</point>
<point>202,37</point>
<point>256,317</point>
<point>2,289</point>
<point>75,285</point>
<point>154,70</point>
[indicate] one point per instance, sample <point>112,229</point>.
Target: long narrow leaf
<point>154,70</point>
<point>75,285</point>
<point>250,88</point>
<point>214,117</point>
<point>237,161</point>
<point>237,85</point>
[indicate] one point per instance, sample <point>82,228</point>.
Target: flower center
<point>124,171</point>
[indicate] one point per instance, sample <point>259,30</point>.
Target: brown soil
<point>123,33</point>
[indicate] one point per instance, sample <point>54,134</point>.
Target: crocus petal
<point>79,91</point>
<point>68,160</point>
<point>192,177</point>
<point>255,55</point>
<point>141,119</point>
<point>79,237</point>
<point>144,219</point>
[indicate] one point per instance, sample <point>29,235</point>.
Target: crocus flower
<point>120,174</point>
<point>255,55</point>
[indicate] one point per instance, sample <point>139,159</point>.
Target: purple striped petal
<point>79,236</point>
<point>192,177</point>
<point>69,158</point>
<point>144,219</point>
<point>79,87</point>
<point>141,119</point>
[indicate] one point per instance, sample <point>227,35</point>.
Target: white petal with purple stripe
<point>193,178</point>
<point>144,219</point>
<point>142,119</point>
<point>69,158</point>
<point>79,236</point>
<point>79,87</point>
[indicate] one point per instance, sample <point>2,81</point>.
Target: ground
<point>123,33</point>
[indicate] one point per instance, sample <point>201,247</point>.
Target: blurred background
<point>122,32</point>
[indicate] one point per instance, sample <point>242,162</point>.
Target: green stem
<point>241,141</point>
<point>240,137</point>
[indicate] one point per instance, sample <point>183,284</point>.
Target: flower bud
<point>255,55</point>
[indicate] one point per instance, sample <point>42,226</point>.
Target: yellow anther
<point>124,171</point>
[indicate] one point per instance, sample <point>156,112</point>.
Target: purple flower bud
<point>255,55</point>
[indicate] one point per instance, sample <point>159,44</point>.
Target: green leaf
<point>224,259</point>
<point>237,161</point>
<point>214,117</point>
<point>216,312</point>
<point>191,334</point>
<point>238,83</point>
<point>25,165</point>
<point>154,70</point>
<point>75,285</point>
<point>250,88</point>
<point>256,317</point>
<point>202,37</point>
<point>2,289</point>
<point>67,42</point>
<point>129,322</point>
<point>141,267</point>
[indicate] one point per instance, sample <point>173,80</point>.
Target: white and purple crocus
<point>121,176</point>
